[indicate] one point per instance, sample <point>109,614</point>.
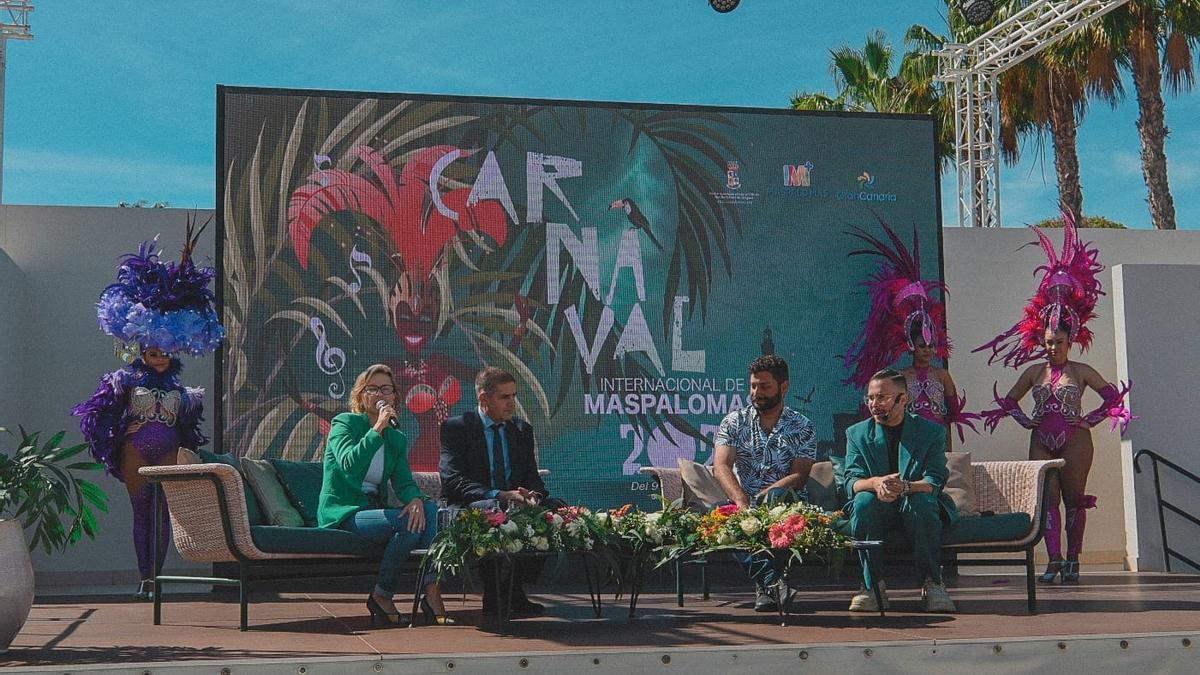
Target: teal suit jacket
<point>348,453</point>
<point>922,457</point>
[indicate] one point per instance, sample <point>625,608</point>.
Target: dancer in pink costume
<point>1055,318</point>
<point>907,316</point>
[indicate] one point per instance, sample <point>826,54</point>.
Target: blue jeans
<point>390,526</point>
<point>761,567</point>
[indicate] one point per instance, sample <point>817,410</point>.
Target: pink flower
<point>728,509</point>
<point>780,536</point>
<point>495,518</point>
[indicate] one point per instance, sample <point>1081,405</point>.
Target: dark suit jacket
<point>922,456</point>
<point>466,473</point>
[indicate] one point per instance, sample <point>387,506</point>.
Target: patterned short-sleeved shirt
<point>764,459</point>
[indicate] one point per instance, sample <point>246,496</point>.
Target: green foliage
<point>1088,221</point>
<point>41,489</point>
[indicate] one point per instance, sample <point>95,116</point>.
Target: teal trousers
<point>921,517</point>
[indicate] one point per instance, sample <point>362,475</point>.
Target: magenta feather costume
<point>903,304</point>
<point>1066,296</point>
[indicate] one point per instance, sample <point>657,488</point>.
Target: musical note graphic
<point>357,256</point>
<point>330,360</point>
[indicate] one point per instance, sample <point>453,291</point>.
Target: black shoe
<point>145,590</point>
<point>432,618</point>
<point>382,617</point>
<point>764,601</point>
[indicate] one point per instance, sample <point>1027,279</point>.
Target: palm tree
<point>865,83</point>
<point>1138,35</point>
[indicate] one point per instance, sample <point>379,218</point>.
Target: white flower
<point>528,531</point>
<point>575,527</point>
<point>602,518</point>
<point>724,538</point>
<point>514,546</point>
<point>556,520</point>
<point>541,543</point>
<point>509,527</point>
<point>778,511</point>
<point>751,525</point>
<point>652,518</point>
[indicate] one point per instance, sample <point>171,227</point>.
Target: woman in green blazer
<point>364,452</point>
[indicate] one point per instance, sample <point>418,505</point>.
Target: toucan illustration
<point>636,218</point>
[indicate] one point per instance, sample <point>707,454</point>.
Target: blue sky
<point>116,101</point>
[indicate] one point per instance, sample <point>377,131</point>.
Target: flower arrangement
<point>800,529</point>
<point>480,533</point>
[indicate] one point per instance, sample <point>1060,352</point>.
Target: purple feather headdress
<point>160,304</point>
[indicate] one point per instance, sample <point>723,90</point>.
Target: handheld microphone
<point>393,423</point>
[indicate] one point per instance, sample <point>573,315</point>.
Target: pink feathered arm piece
<point>957,415</point>
<point>1008,408</point>
<point>1113,407</point>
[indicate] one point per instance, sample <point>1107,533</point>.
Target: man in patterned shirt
<point>771,447</point>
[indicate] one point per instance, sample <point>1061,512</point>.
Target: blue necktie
<point>499,482</point>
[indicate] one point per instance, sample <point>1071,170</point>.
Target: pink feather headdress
<point>900,303</point>
<point>1067,295</point>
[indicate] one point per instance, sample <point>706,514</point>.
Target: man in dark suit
<point>895,469</point>
<point>488,461</point>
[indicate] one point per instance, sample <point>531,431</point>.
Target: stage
<point>1110,622</point>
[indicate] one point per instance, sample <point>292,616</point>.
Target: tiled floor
<point>111,629</point>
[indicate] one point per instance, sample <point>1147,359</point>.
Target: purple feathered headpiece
<point>162,304</point>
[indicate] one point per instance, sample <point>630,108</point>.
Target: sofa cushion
<point>319,540</point>
<point>701,491</point>
<point>254,511</point>
<point>302,482</point>
<point>823,488</point>
<point>1000,527</point>
<point>270,492</point>
<point>960,485</point>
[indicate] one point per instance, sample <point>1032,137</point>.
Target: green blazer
<point>922,456</point>
<point>348,452</point>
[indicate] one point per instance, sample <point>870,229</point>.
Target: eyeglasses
<point>386,390</point>
<point>868,400</point>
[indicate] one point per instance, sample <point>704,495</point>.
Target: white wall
<point>990,275</point>
<point>1158,323</point>
<point>13,311</point>
<point>67,255</point>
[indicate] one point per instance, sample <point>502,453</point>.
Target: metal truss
<point>14,19</point>
<point>973,71</point>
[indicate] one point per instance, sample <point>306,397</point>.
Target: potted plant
<point>39,491</point>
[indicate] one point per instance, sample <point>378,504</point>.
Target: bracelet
<point>906,489</point>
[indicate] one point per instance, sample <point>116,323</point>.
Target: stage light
<point>976,12</point>
<point>724,6</point>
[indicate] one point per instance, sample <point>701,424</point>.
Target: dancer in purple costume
<point>932,393</point>
<point>907,315</point>
<point>141,414</point>
<point>1054,319</point>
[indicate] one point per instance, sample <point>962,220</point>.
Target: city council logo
<point>732,181</point>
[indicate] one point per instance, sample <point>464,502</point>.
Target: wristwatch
<point>906,487</point>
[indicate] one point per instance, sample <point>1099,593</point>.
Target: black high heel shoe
<point>383,617</point>
<point>434,619</point>
<point>1053,569</point>
<point>1070,573</point>
<point>145,590</point>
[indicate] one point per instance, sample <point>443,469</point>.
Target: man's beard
<point>769,403</point>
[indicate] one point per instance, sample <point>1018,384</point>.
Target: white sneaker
<point>936,598</point>
<point>864,601</point>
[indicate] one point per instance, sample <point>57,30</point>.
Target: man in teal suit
<point>895,470</point>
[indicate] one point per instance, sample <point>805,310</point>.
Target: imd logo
<point>797,175</point>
